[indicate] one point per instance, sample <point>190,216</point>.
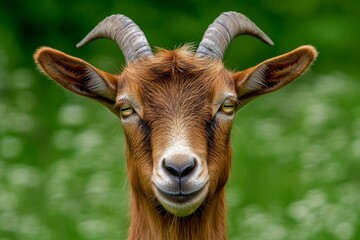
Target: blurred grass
<point>295,172</point>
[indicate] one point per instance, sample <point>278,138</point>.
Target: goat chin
<point>181,205</point>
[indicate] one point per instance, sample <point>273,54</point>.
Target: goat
<point>177,108</point>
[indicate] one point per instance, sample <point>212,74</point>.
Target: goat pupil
<point>126,110</point>
<point>227,107</point>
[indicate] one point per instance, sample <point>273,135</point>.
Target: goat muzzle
<point>180,185</point>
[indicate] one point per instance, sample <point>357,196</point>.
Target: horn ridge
<point>223,30</point>
<point>128,36</point>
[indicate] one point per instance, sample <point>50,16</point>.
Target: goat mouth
<point>180,197</point>
<point>181,204</point>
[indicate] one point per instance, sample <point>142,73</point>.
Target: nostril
<point>179,168</point>
<point>189,167</point>
<point>170,168</point>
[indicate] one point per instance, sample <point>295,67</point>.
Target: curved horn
<point>125,33</point>
<point>225,28</point>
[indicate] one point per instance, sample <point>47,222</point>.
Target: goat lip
<point>179,203</point>
<point>180,197</point>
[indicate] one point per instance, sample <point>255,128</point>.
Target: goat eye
<point>228,106</point>
<point>126,110</point>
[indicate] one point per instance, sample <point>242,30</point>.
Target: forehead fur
<point>176,74</point>
<point>176,81</point>
<point>178,63</point>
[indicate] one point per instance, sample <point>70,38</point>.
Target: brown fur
<point>172,86</point>
<point>175,93</point>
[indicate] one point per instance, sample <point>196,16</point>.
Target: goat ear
<point>77,75</point>
<point>273,74</point>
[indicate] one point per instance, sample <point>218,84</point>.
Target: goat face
<point>177,112</point>
<point>176,107</point>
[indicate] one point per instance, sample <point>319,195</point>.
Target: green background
<point>296,162</point>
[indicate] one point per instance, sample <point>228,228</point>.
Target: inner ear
<point>273,74</point>
<point>77,75</point>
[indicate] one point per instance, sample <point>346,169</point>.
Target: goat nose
<point>179,165</point>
